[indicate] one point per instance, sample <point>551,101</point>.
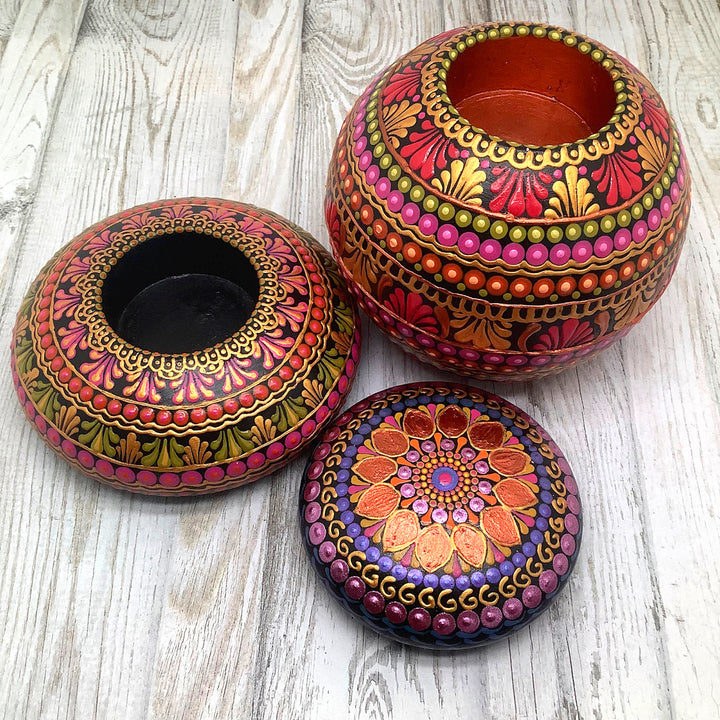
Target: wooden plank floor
<point>114,606</point>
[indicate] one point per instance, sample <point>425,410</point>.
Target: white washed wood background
<point>114,606</point>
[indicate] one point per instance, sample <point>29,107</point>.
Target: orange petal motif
<point>418,424</point>
<point>486,435</point>
<point>499,525</point>
<point>470,544</point>
<point>515,494</point>
<point>401,529</point>
<point>433,548</point>
<point>389,441</point>
<point>452,421</point>
<point>378,501</point>
<point>375,469</point>
<point>510,462</point>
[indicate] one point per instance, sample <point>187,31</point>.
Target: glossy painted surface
<point>497,259</point>
<point>196,421</point>
<point>440,515</point>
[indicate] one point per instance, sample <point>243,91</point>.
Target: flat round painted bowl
<point>506,200</point>
<point>440,515</point>
<point>185,346</point>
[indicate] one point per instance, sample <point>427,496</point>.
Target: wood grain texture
<point>115,606</point>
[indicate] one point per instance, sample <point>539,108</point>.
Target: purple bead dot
<point>571,524</point>
<point>582,250</point>
<point>444,624</point>
<point>410,213</point>
<point>463,582</point>
<point>518,559</point>
<point>476,504</point>
<point>447,235</point>
<point>560,564</point>
<point>407,490</point>
<point>372,554</point>
<point>460,515</point>
<point>468,243</point>
<point>419,619</point>
<point>491,616</point>
<point>420,506</point>
<point>374,602</point>
<point>339,571</point>
<point>537,255</point>
<point>415,577</point>
<point>529,548</point>
<point>347,517</point>
<point>493,575</point>
<point>355,588</point>
<point>439,515</point>
<point>399,572</point>
<point>430,580</point>
<point>490,249</point>
<point>512,609</point>
<point>468,621</point>
<point>385,563</point>
<point>548,581</point>
<point>362,543</point>
<point>447,582</point>
<point>395,613</point>
<point>560,254</point>
<point>428,224</point>
<point>513,254</point>
<point>327,551</point>
<point>353,530</point>
<point>316,533</point>
<point>404,472</point>
<point>507,568</point>
<point>413,456</point>
<point>531,596</point>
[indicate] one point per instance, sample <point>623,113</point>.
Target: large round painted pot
<point>185,346</point>
<point>440,515</point>
<point>506,200</point>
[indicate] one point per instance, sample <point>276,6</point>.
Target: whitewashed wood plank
<point>144,115</point>
<point>32,71</point>
<point>9,10</point>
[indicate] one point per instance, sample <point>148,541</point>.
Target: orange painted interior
<point>532,91</point>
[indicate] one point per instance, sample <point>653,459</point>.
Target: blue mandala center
<point>445,479</point>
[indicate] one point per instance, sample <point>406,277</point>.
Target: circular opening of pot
<point>531,90</point>
<point>180,293</point>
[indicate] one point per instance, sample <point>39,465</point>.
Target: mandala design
<point>440,514</point>
<point>191,422</point>
<point>469,250</point>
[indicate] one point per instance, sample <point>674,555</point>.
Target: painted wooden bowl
<point>185,346</point>
<point>515,250</point>
<point>440,515</point>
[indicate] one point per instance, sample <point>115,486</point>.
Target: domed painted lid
<point>185,346</point>
<point>440,515</point>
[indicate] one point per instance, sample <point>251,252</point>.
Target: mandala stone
<point>506,200</point>
<point>440,515</point>
<point>185,346</point>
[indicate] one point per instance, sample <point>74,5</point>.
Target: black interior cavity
<point>180,293</point>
